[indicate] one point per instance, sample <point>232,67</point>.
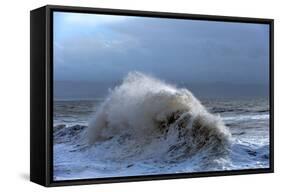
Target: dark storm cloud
<point>105,48</point>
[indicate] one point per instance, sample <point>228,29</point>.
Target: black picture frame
<point>41,94</point>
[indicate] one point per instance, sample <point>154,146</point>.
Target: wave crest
<point>156,120</point>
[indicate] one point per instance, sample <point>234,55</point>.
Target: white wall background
<point>14,95</point>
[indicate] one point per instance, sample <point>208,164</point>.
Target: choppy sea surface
<point>248,121</point>
<point>120,143</point>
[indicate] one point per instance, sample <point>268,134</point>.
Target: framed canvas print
<point>121,95</point>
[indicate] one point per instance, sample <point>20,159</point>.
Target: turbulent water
<point>146,126</point>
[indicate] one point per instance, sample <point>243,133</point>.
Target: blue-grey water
<point>247,120</point>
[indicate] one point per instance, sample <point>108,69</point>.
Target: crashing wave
<point>145,118</point>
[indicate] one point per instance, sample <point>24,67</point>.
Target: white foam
<point>157,117</point>
<point>247,117</point>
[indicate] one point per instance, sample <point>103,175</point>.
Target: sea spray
<point>147,119</point>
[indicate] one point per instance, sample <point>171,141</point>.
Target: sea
<point>100,138</point>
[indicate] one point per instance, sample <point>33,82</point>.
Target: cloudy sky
<point>94,52</point>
